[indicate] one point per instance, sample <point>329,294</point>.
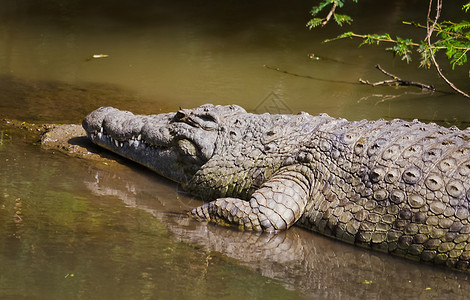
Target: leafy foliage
<point>316,9</point>
<point>466,7</point>
<point>314,22</point>
<point>453,38</point>
<point>402,47</point>
<point>339,18</point>
<point>455,41</point>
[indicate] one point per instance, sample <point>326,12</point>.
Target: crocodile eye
<point>208,118</point>
<point>180,115</point>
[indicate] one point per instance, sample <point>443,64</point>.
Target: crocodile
<point>394,186</point>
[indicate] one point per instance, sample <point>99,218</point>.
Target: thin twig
<point>388,40</point>
<point>417,25</point>
<point>330,14</point>
<point>430,29</point>
<point>306,76</point>
<point>396,81</point>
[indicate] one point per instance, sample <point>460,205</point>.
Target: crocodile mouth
<point>153,141</point>
<point>174,145</point>
<point>177,161</point>
<point>134,141</point>
<point>187,148</point>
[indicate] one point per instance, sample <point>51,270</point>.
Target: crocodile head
<point>175,145</point>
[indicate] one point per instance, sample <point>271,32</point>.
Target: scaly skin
<point>395,186</point>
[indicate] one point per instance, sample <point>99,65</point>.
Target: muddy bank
<point>69,139</point>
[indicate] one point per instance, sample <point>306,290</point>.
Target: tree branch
<point>330,14</point>
<point>430,30</point>
<point>396,81</point>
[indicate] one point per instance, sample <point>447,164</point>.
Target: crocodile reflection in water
<point>395,186</point>
<point>314,265</point>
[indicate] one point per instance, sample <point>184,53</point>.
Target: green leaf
<point>339,3</point>
<point>348,34</point>
<point>316,9</point>
<point>466,7</point>
<point>341,36</point>
<point>367,40</point>
<point>314,23</point>
<point>386,36</point>
<point>425,56</point>
<point>340,19</point>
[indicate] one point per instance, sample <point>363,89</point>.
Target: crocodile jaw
<point>162,160</point>
<point>157,141</point>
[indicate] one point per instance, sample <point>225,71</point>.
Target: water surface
<point>186,54</point>
<point>63,239</point>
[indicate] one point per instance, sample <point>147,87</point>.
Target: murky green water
<point>72,229</point>
<point>61,238</point>
<point>186,54</point>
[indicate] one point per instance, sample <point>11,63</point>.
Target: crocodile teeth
<point>116,143</point>
<point>121,144</point>
<point>133,143</point>
<point>139,137</point>
<point>100,135</point>
<point>101,129</point>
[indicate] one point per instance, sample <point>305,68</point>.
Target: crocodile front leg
<point>276,205</point>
